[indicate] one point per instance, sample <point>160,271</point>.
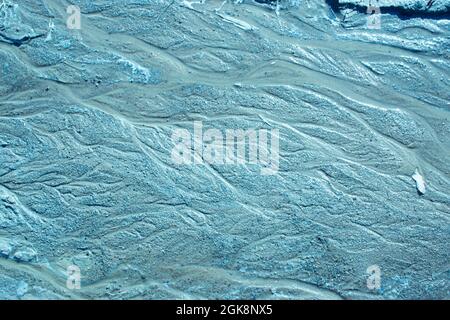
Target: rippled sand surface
<point>87,178</point>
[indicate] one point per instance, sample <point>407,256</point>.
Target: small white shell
<point>420,181</point>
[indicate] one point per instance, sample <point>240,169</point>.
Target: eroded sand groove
<point>86,176</point>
